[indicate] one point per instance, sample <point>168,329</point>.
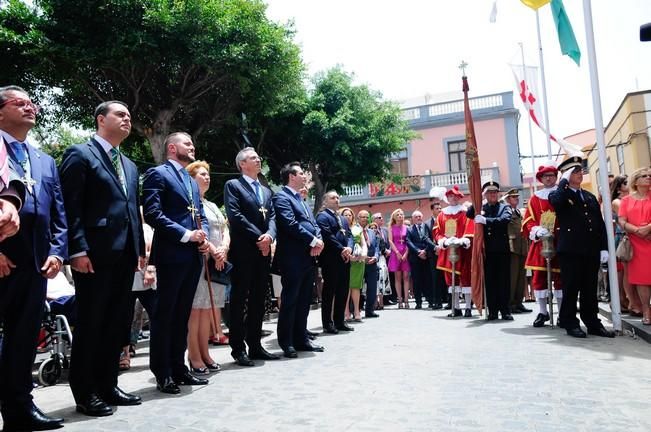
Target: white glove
<point>480,219</point>
<point>465,242</point>
<point>442,243</point>
<point>603,256</point>
<point>566,175</point>
<point>447,242</point>
<point>538,232</point>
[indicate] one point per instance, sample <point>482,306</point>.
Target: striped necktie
<point>117,165</point>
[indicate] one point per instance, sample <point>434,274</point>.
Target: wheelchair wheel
<point>50,371</point>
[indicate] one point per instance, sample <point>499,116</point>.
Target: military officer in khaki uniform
<point>519,247</point>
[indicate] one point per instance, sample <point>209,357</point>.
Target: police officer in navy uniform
<point>581,248</point>
<point>495,216</point>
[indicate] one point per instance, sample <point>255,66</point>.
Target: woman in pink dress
<point>635,219</point>
<point>398,259</point>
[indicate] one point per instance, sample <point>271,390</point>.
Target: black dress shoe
<point>310,337</point>
<point>436,306</point>
<point>540,320</point>
<point>601,331</point>
<point>345,327</point>
<point>242,359</point>
<point>188,379</point>
<point>388,302</point>
<point>330,328</point>
<point>290,352</point>
<point>94,406</point>
<point>261,354</point>
<point>167,386</point>
<point>116,396</point>
<point>507,317</point>
<point>310,347</point>
<point>311,333</point>
<point>576,332</point>
<point>32,420</point>
<point>521,309</point>
<point>455,313</point>
<point>492,316</point>
<point>371,315</point>
<point>213,367</point>
<point>419,306</point>
<point>467,313</point>
<point>447,306</point>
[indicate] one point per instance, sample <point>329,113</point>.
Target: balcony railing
<point>414,185</point>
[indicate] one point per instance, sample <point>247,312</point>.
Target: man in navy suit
<point>335,264</point>
<point>100,190</point>
<point>172,205</point>
<point>371,270</point>
<point>27,260</point>
<point>298,243</point>
<point>421,250</point>
<point>252,226</point>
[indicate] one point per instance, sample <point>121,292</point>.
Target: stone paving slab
<point>409,370</point>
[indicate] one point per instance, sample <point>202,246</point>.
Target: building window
<point>400,166</point>
<point>620,159</point>
<point>457,155</point>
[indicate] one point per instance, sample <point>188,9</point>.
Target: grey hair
<point>5,89</point>
<point>241,157</point>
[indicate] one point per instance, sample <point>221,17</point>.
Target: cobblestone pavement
<point>409,370</point>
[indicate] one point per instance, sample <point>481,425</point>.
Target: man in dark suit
<point>581,247</point>
<point>335,264</point>
<point>370,270</point>
<point>27,259</point>
<point>439,289</point>
<point>298,243</point>
<point>100,190</point>
<point>421,252</point>
<point>495,216</point>
<point>172,207</point>
<point>252,226</point>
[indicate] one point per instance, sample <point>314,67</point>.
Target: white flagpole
<point>603,167</point>
<point>533,160</point>
<point>544,89</point>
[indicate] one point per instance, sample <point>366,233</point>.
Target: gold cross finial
<point>463,67</point>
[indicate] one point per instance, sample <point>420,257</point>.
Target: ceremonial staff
<point>547,252</point>
<point>197,219</point>
<point>453,256</point>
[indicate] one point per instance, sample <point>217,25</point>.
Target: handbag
<point>222,276</point>
<point>624,250</point>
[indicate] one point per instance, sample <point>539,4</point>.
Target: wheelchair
<point>56,338</point>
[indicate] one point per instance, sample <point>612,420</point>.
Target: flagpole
<point>544,89</point>
<point>533,161</point>
<point>616,312</point>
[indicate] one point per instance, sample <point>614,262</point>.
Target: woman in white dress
<point>200,323</point>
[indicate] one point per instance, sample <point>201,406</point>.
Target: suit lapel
<point>175,174</point>
<point>248,187</point>
<point>97,151</point>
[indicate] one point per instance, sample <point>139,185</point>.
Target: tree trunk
<point>319,188</point>
<point>157,134</point>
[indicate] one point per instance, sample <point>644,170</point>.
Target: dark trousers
<point>176,285</point>
<point>22,302</point>
<point>496,272</point>
<point>439,288</point>
<point>249,286</point>
<point>392,282</point>
<point>295,301</point>
<point>518,279</point>
<point>336,277</point>
<point>579,275</point>
<point>421,275</point>
<point>370,277</point>
<point>102,312</point>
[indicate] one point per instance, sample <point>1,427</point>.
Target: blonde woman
<point>398,263</point>
<point>200,321</point>
<point>635,219</point>
<point>357,265</point>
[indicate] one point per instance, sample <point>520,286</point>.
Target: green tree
<point>343,133</point>
<point>192,65</point>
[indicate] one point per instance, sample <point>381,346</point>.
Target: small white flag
<point>493,17</point>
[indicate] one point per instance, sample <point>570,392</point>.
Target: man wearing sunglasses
<point>27,260</point>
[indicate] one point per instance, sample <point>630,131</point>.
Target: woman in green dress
<point>357,265</point>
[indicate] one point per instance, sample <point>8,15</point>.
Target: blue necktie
<point>187,183</point>
<point>300,199</point>
<point>258,192</point>
<point>21,153</point>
